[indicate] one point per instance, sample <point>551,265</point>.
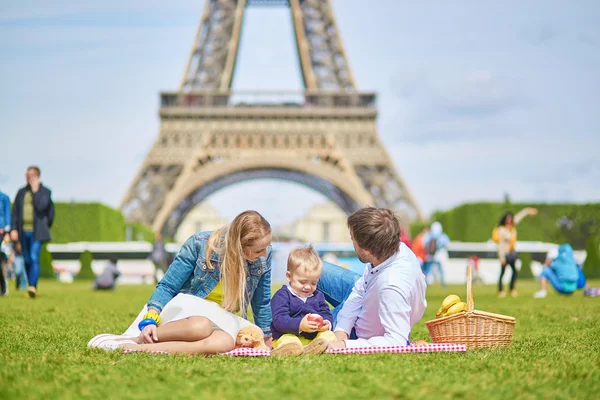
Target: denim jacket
<point>190,274</point>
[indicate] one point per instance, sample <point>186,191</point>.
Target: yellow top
<point>28,214</point>
<point>216,295</point>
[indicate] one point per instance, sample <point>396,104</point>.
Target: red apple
<point>316,318</point>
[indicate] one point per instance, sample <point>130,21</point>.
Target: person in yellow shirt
<point>505,235</point>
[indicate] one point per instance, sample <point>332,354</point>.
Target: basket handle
<point>470,305</point>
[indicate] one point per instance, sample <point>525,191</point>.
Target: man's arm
<point>42,200</point>
<point>394,312</point>
<point>347,316</point>
<point>51,213</point>
<point>16,222</point>
<point>324,310</point>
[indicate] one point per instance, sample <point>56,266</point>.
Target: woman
<point>231,267</point>
<point>505,235</point>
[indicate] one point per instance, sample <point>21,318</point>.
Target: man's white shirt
<point>385,302</point>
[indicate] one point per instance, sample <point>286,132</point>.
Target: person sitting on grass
<point>108,278</point>
<point>228,269</point>
<point>302,322</point>
<point>562,271</point>
<point>380,307</point>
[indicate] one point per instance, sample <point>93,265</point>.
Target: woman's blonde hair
<point>229,242</point>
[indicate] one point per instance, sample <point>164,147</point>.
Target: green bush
<point>87,222</point>
<point>46,270</point>
<point>525,272</point>
<point>85,273</point>
<point>591,265</point>
<point>93,222</point>
<point>141,232</point>
<point>556,223</point>
<point>416,228</point>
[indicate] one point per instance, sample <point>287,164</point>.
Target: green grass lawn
<point>43,354</point>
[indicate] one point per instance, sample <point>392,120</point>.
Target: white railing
<point>136,267</point>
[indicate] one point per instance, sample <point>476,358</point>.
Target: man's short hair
<point>305,257</point>
<point>36,169</point>
<point>376,230</point>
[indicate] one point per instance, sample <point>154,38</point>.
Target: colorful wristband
<point>145,322</point>
<point>153,315</point>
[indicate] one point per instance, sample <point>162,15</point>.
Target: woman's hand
<point>149,335</point>
<point>532,211</point>
<point>308,326</point>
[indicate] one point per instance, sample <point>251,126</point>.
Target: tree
<point>46,270</point>
<point>525,272</point>
<point>85,273</point>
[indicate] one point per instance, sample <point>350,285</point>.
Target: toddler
<point>302,322</point>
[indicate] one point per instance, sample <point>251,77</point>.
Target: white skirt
<point>185,306</point>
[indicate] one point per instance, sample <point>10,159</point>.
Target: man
<point>4,227</point>
<point>380,307</point>
<point>32,217</point>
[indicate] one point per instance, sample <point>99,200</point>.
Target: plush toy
<point>252,337</point>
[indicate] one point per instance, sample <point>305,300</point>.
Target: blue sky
<point>476,99</point>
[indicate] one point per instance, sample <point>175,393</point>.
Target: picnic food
<point>456,308</point>
<point>446,304</point>
<point>471,327</point>
<point>316,318</point>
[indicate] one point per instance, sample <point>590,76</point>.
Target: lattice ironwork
<point>324,138</point>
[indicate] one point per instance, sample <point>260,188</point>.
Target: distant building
<point>201,218</point>
<point>323,223</point>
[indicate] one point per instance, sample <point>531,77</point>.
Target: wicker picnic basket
<point>472,328</point>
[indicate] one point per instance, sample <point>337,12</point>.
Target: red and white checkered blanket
<point>430,348</point>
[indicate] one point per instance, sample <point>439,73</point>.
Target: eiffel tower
<point>211,137</point>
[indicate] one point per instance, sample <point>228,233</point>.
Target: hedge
<point>93,222</point>
<point>88,222</point>
<point>85,273</point>
<point>525,272</point>
<point>46,270</point>
<point>591,265</point>
<point>556,223</point>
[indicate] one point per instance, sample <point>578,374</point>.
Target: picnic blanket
<point>430,348</point>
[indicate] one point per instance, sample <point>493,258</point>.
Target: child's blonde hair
<point>305,257</point>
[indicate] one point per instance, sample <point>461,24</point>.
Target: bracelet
<point>145,322</point>
<point>153,315</point>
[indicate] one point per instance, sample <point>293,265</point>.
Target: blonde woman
<point>230,267</point>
